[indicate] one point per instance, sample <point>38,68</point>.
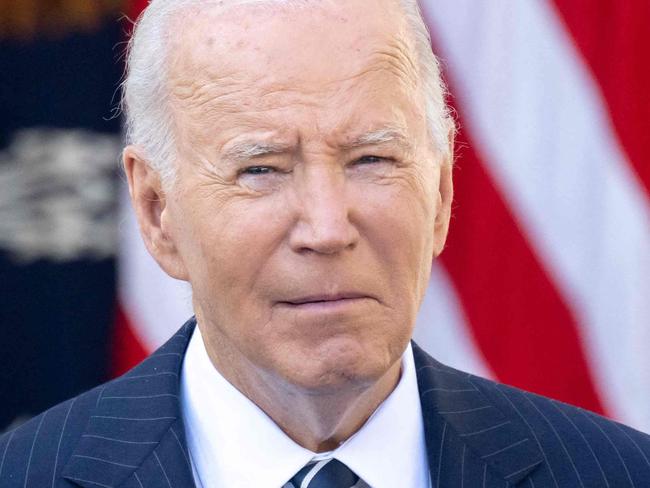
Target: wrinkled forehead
<point>291,43</point>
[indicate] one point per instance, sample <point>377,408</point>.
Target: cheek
<point>230,249</point>
<point>406,211</point>
<point>400,226</point>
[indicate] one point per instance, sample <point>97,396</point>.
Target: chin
<point>335,373</point>
<point>333,382</point>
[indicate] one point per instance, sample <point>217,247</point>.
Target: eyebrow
<point>245,150</point>
<point>379,136</point>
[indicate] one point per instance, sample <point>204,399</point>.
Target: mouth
<point>324,298</point>
<point>323,302</point>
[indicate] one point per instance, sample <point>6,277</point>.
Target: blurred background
<point>545,281</point>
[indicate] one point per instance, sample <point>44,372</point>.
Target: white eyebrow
<point>246,150</point>
<point>379,136</point>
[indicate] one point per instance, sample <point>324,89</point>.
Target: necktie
<point>329,473</point>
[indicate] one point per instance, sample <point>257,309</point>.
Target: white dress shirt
<point>233,443</point>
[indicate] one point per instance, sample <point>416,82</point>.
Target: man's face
<point>308,204</point>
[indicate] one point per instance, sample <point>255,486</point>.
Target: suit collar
<point>453,404</point>
<point>136,423</point>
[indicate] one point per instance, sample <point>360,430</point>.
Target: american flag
<point>545,280</point>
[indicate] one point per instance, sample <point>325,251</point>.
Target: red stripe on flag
<point>519,321</point>
<point>136,7</point>
<point>612,36</point>
<point>127,348</point>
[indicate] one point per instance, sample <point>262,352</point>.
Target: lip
<point>329,304</point>
<point>324,298</point>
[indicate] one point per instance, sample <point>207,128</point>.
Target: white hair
<point>145,94</point>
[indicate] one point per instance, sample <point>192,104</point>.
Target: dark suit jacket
<point>129,433</point>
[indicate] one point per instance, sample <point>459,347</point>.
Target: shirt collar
<point>233,443</point>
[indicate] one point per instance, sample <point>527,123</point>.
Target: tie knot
<point>329,473</point>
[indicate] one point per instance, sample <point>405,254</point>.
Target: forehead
<point>246,62</point>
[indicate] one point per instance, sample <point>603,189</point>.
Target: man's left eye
<point>258,170</point>
<point>370,159</point>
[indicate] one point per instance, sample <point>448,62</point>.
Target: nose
<point>323,208</point>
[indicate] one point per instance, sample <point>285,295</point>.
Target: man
<point>291,160</point>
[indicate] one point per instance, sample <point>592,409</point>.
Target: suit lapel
<point>468,436</point>
<point>168,465</point>
<point>136,430</point>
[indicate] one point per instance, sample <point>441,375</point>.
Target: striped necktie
<point>329,473</point>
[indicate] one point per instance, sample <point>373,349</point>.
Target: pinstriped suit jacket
<point>128,433</point>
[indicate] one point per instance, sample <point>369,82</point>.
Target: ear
<point>150,204</point>
<point>445,198</point>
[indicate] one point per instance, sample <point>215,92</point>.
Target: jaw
<point>323,417</point>
<point>320,408</point>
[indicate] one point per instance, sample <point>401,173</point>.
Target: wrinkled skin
<point>305,168</point>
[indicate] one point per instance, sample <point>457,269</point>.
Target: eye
<point>370,159</point>
<point>262,178</point>
<point>257,170</point>
<point>373,160</point>
<point>372,166</point>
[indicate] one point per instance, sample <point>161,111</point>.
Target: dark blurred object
<point>59,151</point>
<point>26,19</point>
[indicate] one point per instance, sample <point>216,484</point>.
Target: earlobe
<point>149,201</point>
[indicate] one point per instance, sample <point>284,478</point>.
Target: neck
<point>321,421</point>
